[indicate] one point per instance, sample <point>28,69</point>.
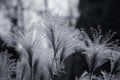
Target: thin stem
<point>91,76</point>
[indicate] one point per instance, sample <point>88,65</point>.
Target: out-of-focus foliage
<point>7,66</point>
<point>23,13</point>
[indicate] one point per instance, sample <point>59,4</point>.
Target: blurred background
<point>79,13</point>
<point>23,13</point>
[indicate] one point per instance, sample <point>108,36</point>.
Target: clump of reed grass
<point>99,49</point>
<point>45,46</point>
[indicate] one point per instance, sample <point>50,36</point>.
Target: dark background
<point>105,13</point>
